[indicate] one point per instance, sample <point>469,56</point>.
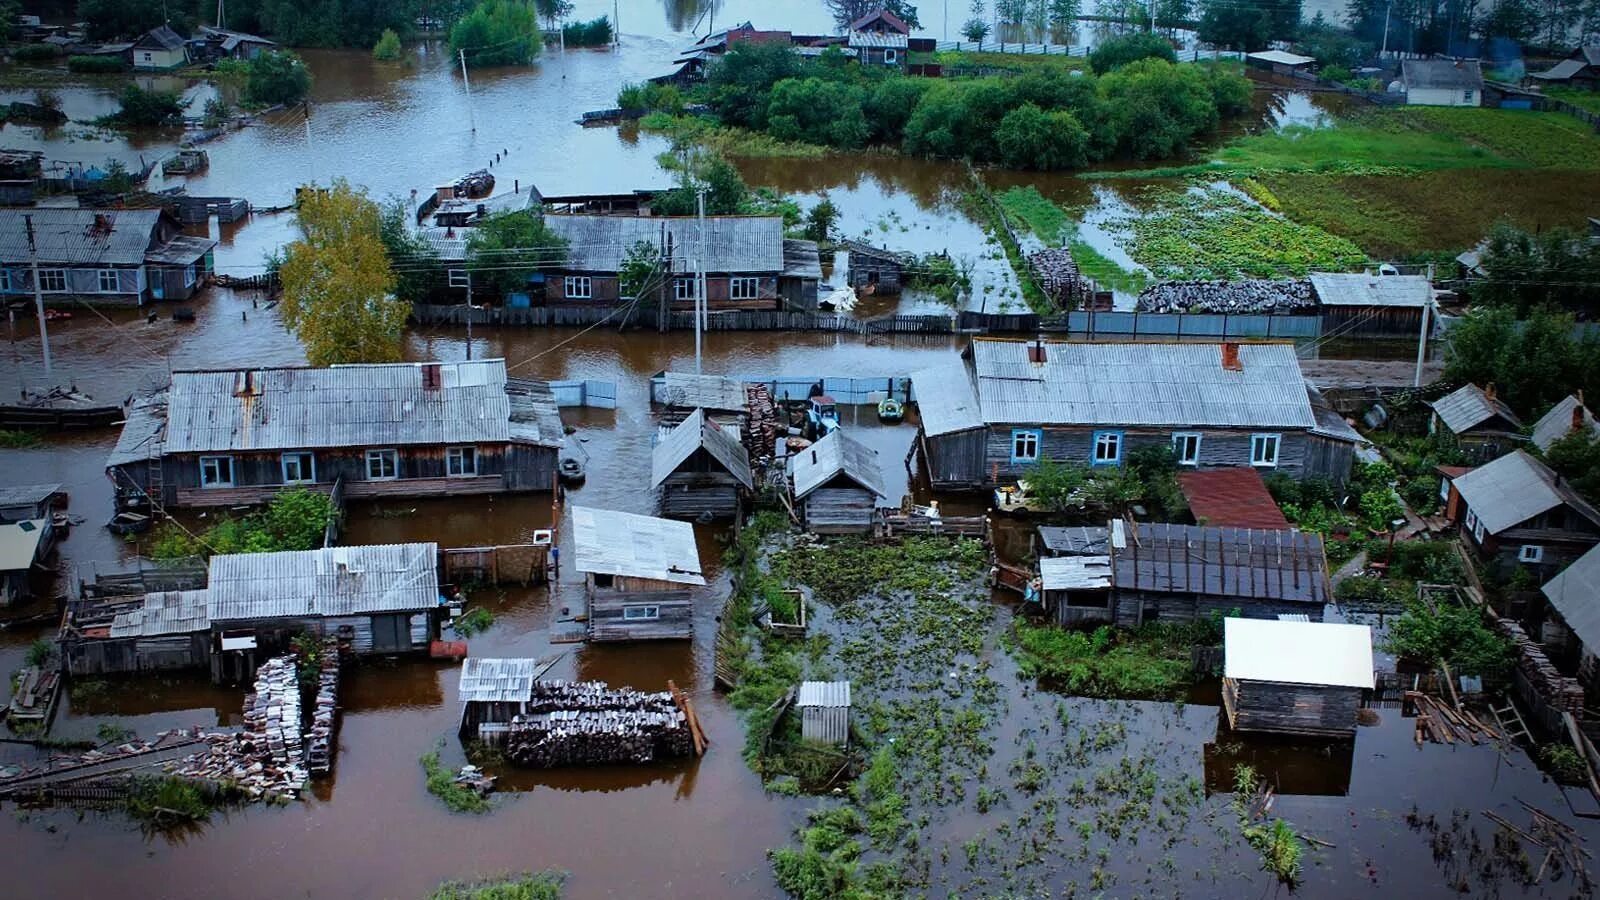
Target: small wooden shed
<point>702,471</point>
<point>825,712</point>
<point>1077,589</point>
<point>837,483</point>
<point>638,571</point>
<point>1294,677</point>
<point>873,270</point>
<point>492,693</point>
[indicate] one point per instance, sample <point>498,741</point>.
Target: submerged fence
<point>848,391</point>
<point>731,320</point>
<point>1134,324</point>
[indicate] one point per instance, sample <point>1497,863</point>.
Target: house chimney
<point>813,457</point>
<point>102,223</point>
<point>1036,352</point>
<point>1577,416</point>
<point>1230,357</point>
<point>430,376</point>
<point>1488,392</point>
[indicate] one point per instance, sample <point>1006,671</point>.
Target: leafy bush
<point>474,621</point>
<point>95,64</point>
<point>651,96</point>
<point>1151,661</point>
<point>35,53</point>
<point>276,77</point>
<point>497,33</point>
<point>1564,763</point>
<point>441,783</point>
<point>39,652</point>
<point>387,48</point>
<point>545,885</point>
<point>292,520</point>
<point>594,33</point>
<point>1279,847</point>
<point>166,800</point>
<point>1455,634</point>
<point>148,109</point>
<point>939,275</point>
<point>1119,51</point>
<point>1372,593</point>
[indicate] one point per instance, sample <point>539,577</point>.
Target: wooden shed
<point>1477,421</point>
<point>492,693</point>
<point>825,712</point>
<point>701,470</point>
<point>24,546</point>
<point>638,571</point>
<point>873,270</point>
<point>153,632</point>
<point>1293,677</point>
<point>837,485</point>
<point>1076,590</point>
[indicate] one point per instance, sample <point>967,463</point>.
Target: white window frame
<point>1034,436</point>
<point>577,287</point>
<point>216,464</point>
<point>115,287</point>
<point>641,613</point>
<point>459,278</point>
<point>308,475</point>
<point>744,287</point>
<point>889,55</point>
<point>455,461</point>
<point>1530,553</point>
<point>1467,95</point>
<point>1477,532</point>
<point>393,457</point>
<point>1179,440</point>
<point>683,289</point>
<point>1444,489</point>
<point>52,273</point>
<point>1258,444</point>
<point>1472,520</point>
<point>1106,439</point>
<point>6,282</point>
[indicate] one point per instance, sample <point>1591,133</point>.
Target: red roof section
<point>1452,472</point>
<point>756,36</point>
<point>883,15</point>
<point>1235,498</point>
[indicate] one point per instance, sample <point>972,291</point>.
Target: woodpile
<point>586,723</point>
<point>763,426</point>
<point>1441,723</point>
<point>320,745</point>
<point>1057,274</point>
<point>1560,691</point>
<point>1238,297</point>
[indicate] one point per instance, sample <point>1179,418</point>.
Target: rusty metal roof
<point>1236,497</point>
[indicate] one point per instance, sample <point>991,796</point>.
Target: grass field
<point>1589,100</point>
<point>1216,234</point>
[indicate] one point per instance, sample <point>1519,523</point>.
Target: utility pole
<point>1422,336</point>
<point>467,85</point>
<point>1386,15</point>
<point>220,19</point>
<point>38,294</point>
<point>700,276</point>
<point>469,314</point>
<point>311,151</point>
<point>616,24</point>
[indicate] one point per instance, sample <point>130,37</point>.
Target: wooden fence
<point>523,564</point>
<point>330,532</point>
<point>1577,112</point>
<point>732,320</point>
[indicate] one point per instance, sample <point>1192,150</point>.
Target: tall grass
<point>545,885</point>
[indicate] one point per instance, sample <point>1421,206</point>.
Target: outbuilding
<point>159,49</point>
<point>824,712</point>
<point>28,501</point>
<point>638,572</point>
<point>24,546</point>
<point>1518,513</point>
<point>492,693</point>
<point>1477,421</point>
<point>1441,82</point>
<point>837,485</point>
<point>1076,590</point>
<point>1280,62</point>
<point>1293,677</point>
<point>701,470</point>
<point>1568,417</point>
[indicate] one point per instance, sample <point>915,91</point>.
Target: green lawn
<point>1589,100</point>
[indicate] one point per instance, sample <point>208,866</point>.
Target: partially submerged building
<point>1294,677</point>
<point>25,545</point>
<point>837,485</point>
<point>873,270</point>
<point>824,712</point>
<point>21,502</point>
<point>701,470</point>
<point>159,49</point>
<point>492,693</point>
<point>1476,420</point>
<point>638,572</point>
<point>1518,512</point>
<point>111,257</point>
<point>232,437</point>
<point>1568,417</point>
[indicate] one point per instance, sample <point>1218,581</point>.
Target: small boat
<point>571,471</point>
<point>890,410</point>
<point>187,162</point>
<point>129,523</point>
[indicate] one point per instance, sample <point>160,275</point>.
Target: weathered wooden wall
<point>1291,708</point>
<point>1138,607</point>
<point>840,510</point>
<point>696,495</point>
<point>1075,444</point>
<point>607,620</point>
<point>955,461</point>
<point>154,654</point>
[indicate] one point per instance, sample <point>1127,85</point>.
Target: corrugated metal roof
<point>335,581</point>
<point>1141,384</point>
<point>165,612</point>
<point>1468,406</point>
<point>19,543</point>
<point>732,243</point>
<point>609,542</point>
<point>946,399</point>
<point>183,250</point>
<point>1446,74</point>
<point>343,406</point>
<point>801,259</point>
<point>1355,289</point>
<point>496,680</point>
<point>824,693</point>
<point>837,454</point>
<point>873,40</point>
<point>1515,488</point>
<point>1563,70</point>
<point>27,494</point>
<point>449,244</point>
<point>161,37</point>
<point>1557,423</point>
<point>688,391</point>
<point>1235,496</point>
<point>695,432</point>
<point>144,431</point>
<point>1243,563</point>
<point>535,416</point>
<point>1075,573</point>
<point>1076,540</point>
<point>70,236</point>
<point>1330,654</point>
<point>1575,594</point>
<point>1281,57</point>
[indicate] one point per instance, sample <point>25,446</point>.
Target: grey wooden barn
<point>153,632</point>
<point>493,692</point>
<point>837,485</point>
<point>1293,677</point>
<point>701,470</point>
<point>638,572</point>
<point>1477,421</point>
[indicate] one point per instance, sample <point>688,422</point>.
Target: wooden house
<point>824,712</point>
<point>28,501</point>
<point>25,545</point>
<point>1361,305</point>
<point>1517,512</point>
<point>638,572</point>
<point>1574,598</point>
<point>141,632</point>
<point>1568,417</point>
<point>159,49</point>
<point>1293,677</point>
<point>227,438</point>
<point>873,270</point>
<point>110,257</point>
<point>1581,69</point>
<point>1450,502</point>
<point>223,43</point>
<point>701,470</point>
<point>880,38</point>
<point>493,692</point>
<point>990,417</point>
<point>1477,421</point>
<point>1441,82</point>
<point>837,485</point>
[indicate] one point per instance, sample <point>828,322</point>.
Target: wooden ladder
<point>154,485</point>
<point>1511,722</point>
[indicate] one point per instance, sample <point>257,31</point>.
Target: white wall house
<point>1442,82</point>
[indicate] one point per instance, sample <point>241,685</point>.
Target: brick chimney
<point>1488,392</point>
<point>430,377</point>
<point>1577,414</point>
<point>1036,352</point>
<point>1230,357</point>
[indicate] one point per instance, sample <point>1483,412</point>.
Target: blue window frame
<point>1107,449</point>
<point>1025,445</point>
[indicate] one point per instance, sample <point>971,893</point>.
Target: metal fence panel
<point>1201,325</point>
<point>1248,326</point>
<point>600,394</point>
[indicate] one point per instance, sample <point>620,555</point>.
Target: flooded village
<point>706,448</point>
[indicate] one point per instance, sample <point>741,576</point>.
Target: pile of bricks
<point>320,746</point>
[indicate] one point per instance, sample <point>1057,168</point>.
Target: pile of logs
<point>1243,297</point>
<point>1560,691</point>
<point>1558,839</point>
<point>585,723</point>
<point>324,717</point>
<point>1057,274</point>
<point>1441,723</point>
<point>763,427</point>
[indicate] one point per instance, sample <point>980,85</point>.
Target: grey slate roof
<point>801,259</point>
<point>182,250</point>
<point>1244,563</point>
<point>1338,289</point>
<point>1467,407</point>
<point>343,406</point>
<point>1330,423</point>
<point>1515,488</point>
<point>143,434</point>
<point>496,680</point>
<point>1445,74</point>
<point>163,613</point>
<point>26,494</point>
<point>715,392</point>
<point>335,581</point>
<point>535,417</point>
<point>1575,593</point>
<point>1140,384</point>
<point>824,693</point>
<point>946,399</point>
<point>693,433</point>
<point>1563,70</point>
<point>837,454</point>
<point>68,237</point>
<point>873,40</point>
<point>608,542</point>
<point>1556,424</point>
<point>732,243</point>
<point>161,37</point>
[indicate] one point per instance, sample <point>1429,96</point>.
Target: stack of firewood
<point>586,723</point>
<point>1441,723</point>
<point>320,746</point>
<point>1057,274</point>
<point>764,426</point>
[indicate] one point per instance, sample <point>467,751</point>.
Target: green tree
<point>337,283</point>
<point>1533,362</point>
<point>140,108</point>
<point>1557,267</point>
<point>1031,138</point>
<point>418,272</point>
<point>821,219</point>
<point>847,11</point>
<point>334,23</point>
<point>1119,51</point>
<point>110,19</point>
<point>813,109</point>
<point>552,11</point>
<point>740,83</point>
<point>277,77</point>
<point>888,105</point>
<point>1248,26</point>
<point>641,274</point>
<point>497,33</point>
<point>387,48</point>
<point>593,33</point>
<point>975,29</point>
<point>1576,458</point>
<point>1159,107</point>
<point>726,192</point>
<point>1063,13</point>
<point>506,249</point>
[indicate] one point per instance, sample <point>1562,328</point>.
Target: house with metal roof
<point>638,574</point>
<point>992,416</point>
<point>1295,677</point>
<point>880,38</point>
<point>701,470</point>
<point>232,437</point>
<point>1574,596</point>
<point>28,501</point>
<point>747,263</point>
<point>837,484</point>
<point>493,692</point>
<point>111,257</point>
<point>1566,418</point>
<point>1441,82</point>
<point>1517,512</point>
<point>25,546</point>
<point>223,43</point>
<point>1183,572</point>
<point>1476,420</point>
<point>1580,69</point>
<point>1363,304</point>
<point>159,49</point>
<point>138,632</point>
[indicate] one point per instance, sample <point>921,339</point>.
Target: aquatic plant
<point>1151,661</point>
<point>19,439</point>
<point>474,621</point>
<point>1207,233</point>
<point>39,652</point>
<point>1280,849</point>
<point>441,783</point>
<point>1564,763</point>
<point>543,885</point>
<point>166,801</point>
